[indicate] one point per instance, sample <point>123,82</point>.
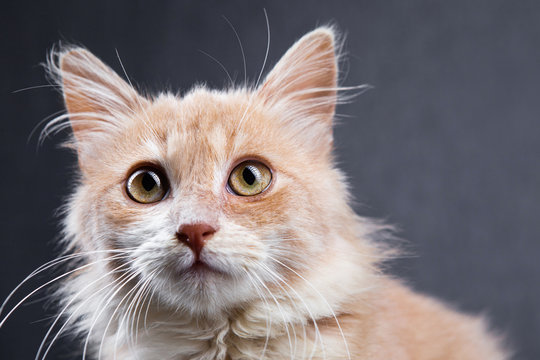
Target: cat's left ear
<point>303,85</point>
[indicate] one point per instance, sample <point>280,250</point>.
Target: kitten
<point>215,225</point>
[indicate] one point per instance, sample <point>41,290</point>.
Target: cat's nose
<point>195,235</point>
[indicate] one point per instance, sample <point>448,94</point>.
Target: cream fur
<point>299,273</point>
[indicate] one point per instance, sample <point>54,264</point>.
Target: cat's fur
<point>299,270</point>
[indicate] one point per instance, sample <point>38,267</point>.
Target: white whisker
<point>268,318</point>
<point>267,48</point>
<point>323,298</point>
<point>318,335</point>
<point>285,321</point>
<point>35,87</point>
<point>292,302</point>
<point>47,284</point>
<point>142,299</point>
<point>241,48</point>
<point>73,298</point>
<point>112,316</point>
<point>108,298</point>
<point>231,81</point>
<point>50,264</point>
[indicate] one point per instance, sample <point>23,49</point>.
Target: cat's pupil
<point>148,182</point>
<point>248,176</point>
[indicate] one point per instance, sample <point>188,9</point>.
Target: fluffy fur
<point>296,270</point>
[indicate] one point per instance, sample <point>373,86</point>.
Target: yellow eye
<point>250,178</point>
<point>147,185</point>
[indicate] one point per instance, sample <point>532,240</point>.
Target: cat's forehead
<point>198,109</point>
<point>207,119</point>
<point>206,128</point>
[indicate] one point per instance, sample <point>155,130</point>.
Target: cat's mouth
<point>200,268</point>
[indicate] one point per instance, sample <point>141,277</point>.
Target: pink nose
<point>195,235</point>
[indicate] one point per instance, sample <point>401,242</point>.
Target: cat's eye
<point>250,178</point>
<point>147,185</point>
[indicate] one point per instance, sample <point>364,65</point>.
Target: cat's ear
<point>303,84</point>
<point>96,98</point>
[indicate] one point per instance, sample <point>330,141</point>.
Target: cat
<point>215,225</point>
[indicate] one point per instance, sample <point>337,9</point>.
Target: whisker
<point>132,310</point>
<point>129,297</point>
<point>73,299</point>
<point>293,303</point>
<point>241,48</point>
<point>267,47</point>
<point>45,119</point>
<point>144,296</point>
<point>323,298</point>
<point>50,282</point>
<point>50,264</point>
<point>122,280</point>
<point>318,335</point>
<point>137,97</point>
<point>267,319</point>
<point>280,309</point>
<point>35,87</point>
<point>124,320</point>
<point>133,275</point>
<point>112,316</point>
<point>148,307</point>
<point>220,64</point>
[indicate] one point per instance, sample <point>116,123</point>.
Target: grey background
<point>445,146</point>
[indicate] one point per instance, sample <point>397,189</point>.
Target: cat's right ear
<point>98,101</point>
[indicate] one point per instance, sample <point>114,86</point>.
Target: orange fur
<point>299,270</point>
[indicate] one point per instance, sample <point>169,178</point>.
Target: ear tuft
<point>302,87</point>
<point>99,103</point>
<point>96,98</point>
<point>307,72</point>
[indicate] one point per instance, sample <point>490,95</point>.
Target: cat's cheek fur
<point>148,231</point>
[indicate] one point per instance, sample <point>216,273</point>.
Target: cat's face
<point>242,194</point>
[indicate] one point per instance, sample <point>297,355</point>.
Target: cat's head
<point>216,198</point>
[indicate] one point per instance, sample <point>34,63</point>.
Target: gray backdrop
<point>445,145</point>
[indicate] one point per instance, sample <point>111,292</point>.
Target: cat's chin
<point>201,288</point>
